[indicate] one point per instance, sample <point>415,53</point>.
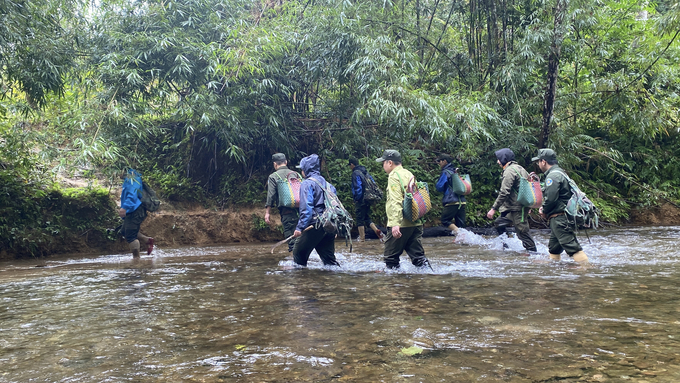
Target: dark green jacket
<point>557,191</point>
<point>507,195</point>
<point>272,191</point>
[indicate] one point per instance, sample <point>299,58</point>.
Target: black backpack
<point>372,192</point>
<point>335,219</point>
<point>149,199</point>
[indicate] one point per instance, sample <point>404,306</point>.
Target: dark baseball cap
<point>389,155</point>
<point>278,157</point>
<point>545,154</point>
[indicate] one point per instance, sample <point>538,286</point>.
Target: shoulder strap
<point>400,183</point>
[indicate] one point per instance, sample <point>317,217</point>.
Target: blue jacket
<point>132,191</point>
<point>444,186</point>
<point>359,174</point>
<point>311,195</point>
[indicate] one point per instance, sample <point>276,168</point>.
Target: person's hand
<point>490,214</point>
<point>121,212</point>
<point>266,218</point>
<point>540,211</point>
<point>297,233</point>
<point>396,233</point>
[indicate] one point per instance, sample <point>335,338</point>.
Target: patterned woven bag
<point>289,190</point>
<point>529,194</point>
<point>460,184</point>
<point>416,199</point>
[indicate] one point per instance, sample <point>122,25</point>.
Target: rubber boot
<point>453,228</point>
<point>362,234</point>
<point>580,257</point>
<point>555,257</point>
<point>134,246</point>
<point>377,232</point>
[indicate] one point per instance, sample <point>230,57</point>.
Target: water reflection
<point>237,313</point>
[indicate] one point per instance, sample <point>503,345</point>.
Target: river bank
<point>185,225</point>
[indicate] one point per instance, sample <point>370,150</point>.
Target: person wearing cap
<point>402,234</point>
<point>312,205</point>
<point>512,212</point>
<point>555,197</point>
<point>289,216</point>
<point>362,208</point>
<point>453,215</point>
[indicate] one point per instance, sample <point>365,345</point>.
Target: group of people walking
<point>404,235</point>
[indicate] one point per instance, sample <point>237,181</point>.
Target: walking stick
<point>288,239</point>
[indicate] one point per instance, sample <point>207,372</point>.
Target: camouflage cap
<point>389,155</point>
<point>278,157</point>
<point>545,154</point>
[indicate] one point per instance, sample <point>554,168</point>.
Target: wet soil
<point>186,225</point>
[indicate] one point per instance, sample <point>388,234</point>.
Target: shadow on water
<point>238,313</point>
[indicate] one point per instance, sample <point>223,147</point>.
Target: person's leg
<point>567,237</point>
<point>502,222</point>
<point>326,250</point>
<point>460,216</point>
<point>393,249</point>
<point>554,246</point>
<point>449,216</point>
<point>414,246</point>
<point>289,220</point>
<point>521,224</point>
<point>131,225</point>
<point>305,244</point>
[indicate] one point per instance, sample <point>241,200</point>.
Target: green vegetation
<point>197,94</point>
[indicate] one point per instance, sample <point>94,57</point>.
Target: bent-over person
<point>133,213</point>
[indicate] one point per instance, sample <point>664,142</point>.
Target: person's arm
<point>357,187</point>
<point>128,198</point>
<point>442,182</point>
<point>506,188</point>
<point>306,206</point>
<point>551,194</point>
<point>395,200</point>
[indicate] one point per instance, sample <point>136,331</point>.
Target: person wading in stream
<point>311,206</point>
<point>133,213</point>
<point>402,234</point>
<point>512,212</point>
<point>362,208</point>
<point>289,216</point>
<point>555,197</point>
<point>453,215</point>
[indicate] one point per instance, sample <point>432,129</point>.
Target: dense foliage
<point>198,94</point>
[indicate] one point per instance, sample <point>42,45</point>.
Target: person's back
<point>289,215</point>
<point>453,214</point>
<point>310,235</point>
<point>362,208</point>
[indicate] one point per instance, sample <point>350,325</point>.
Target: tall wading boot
<point>377,232</point>
<point>580,257</point>
<point>362,234</point>
<point>555,257</point>
<point>134,246</point>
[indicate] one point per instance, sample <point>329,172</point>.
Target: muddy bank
<point>194,226</point>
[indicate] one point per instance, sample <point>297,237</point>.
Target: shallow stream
<point>239,314</point>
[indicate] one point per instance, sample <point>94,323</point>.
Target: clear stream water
<point>239,314</point>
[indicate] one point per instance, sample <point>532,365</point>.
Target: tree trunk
<point>553,70</point>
